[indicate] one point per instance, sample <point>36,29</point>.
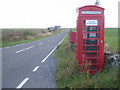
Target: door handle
<point>101,41</point>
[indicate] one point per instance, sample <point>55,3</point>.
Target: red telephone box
<point>90,38</point>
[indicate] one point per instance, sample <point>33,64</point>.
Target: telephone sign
<point>91,22</point>
<point>91,12</point>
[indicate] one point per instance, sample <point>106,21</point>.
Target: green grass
<point>111,38</point>
<point>68,73</point>
<point>111,31</point>
<point>26,32</point>
<point>19,29</point>
<point>112,41</point>
<point>13,43</point>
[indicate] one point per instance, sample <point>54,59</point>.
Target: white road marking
<point>39,43</point>
<point>61,40</point>
<point>24,49</point>
<point>18,45</point>
<point>22,83</point>
<point>52,50</point>
<point>7,47</point>
<point>48,55</point>
<point>35,69</point>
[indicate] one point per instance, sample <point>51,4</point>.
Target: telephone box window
<point>91,41</point>
<point>92,28</point>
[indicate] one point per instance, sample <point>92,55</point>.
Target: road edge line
<point>53,50</point>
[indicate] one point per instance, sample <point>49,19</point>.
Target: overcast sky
<point>46,13</point>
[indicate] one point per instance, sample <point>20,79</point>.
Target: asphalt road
<point>30,65</point>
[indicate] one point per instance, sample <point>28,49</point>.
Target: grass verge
<point>68,73</point>
<point>13,43</point>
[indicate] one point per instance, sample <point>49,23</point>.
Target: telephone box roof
<point>90,6</point>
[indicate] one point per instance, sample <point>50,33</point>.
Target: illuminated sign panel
<point>91,22</point>
<point>91,12</point>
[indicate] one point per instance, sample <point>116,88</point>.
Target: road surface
<point>30,65</point>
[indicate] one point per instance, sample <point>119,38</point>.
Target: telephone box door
<point>92,44</point>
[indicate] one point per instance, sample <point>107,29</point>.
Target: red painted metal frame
<point>81,55</point>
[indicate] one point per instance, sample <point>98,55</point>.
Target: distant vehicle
<point>50,29</point>
<point>57,27</point>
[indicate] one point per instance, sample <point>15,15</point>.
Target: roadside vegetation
<point>11,37</point>
<point>68,73</point>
